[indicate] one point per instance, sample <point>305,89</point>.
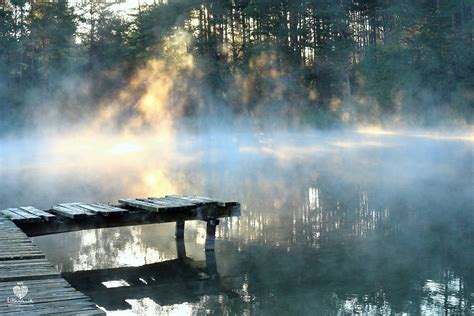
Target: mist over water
<point>332,222</point>
<point>305,112</point>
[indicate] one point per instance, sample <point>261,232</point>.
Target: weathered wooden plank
<point>20,273</point>
<point>6,254</point>
<point>28,275</point>
<point>42,290</point>
<point>26,216</point>
<point>194,199</point>
<point>177,202</point>
<point>16,238</point>
<point>90,312</point>
<point>74,207</point>
<point>21,256</point>
<point>5,250</point>
<point>43,296</point>
<point>89,208</point>
<point>163,204</point>
<point>8,233</point>
<point>10,252</point>
<point>14,265</point>
<point>17,243</point>
<point>200,200</point>
<point>189,200</point>
<point>11,215</point>
<point>172,201</point>
<point>71,304</point>
<point>53,308</point>
<point>40,286</point>
<point>11,255</point>
<point>19,264</point>
<point>206,200</point>
<point>56,283</point>
<point>102,209</point>
<point>37,212</point>
<point>69,213</point>
<point>140,205</point>
<point>39,295</point>
<point>110,207</point>
<point>17,247</point>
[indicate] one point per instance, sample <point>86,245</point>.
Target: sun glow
<point>125,148</point>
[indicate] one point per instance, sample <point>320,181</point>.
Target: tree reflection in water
<point>330,225</point>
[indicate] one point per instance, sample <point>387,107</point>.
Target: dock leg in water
<point>179,230</point>
<point>180,248</point>
<point>211,234</point>
<point>211,265</point>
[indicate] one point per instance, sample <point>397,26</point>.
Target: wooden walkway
<point>29,284</point>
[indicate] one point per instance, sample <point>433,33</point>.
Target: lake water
<point>332,223</point>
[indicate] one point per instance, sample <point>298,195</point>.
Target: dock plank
<point>102,208</point>
<point>11,215</point>
<point>164,204</point>
<point>175,201</point>
<point>140,204</point>
<point>110,208</point>
<point>76,208</point>
<point>154,204</point>
<point>54,308</point>
<point>194,200</point>
<point>26,216</point>
<point>37,212</point>
<point>68,212</point>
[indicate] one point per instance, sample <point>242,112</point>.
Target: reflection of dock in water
<point>166,283</point>
<point>22,261</point>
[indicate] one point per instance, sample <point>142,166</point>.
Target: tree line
<point>323,60</point>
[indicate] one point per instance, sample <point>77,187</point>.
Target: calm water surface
<point>331,224</point>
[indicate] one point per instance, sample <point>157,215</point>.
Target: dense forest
<point>315,62</point>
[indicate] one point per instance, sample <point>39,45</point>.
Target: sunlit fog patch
<point>355,144</point>
<point>465,135</point>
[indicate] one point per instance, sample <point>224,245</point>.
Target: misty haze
<point>343,128</point>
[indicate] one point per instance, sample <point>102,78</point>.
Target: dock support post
<point>211,234</point>
<point>180,248</point>
<point>179,230</point>
<point>211,265</point>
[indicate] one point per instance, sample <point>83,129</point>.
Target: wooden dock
<point>29,284</point>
